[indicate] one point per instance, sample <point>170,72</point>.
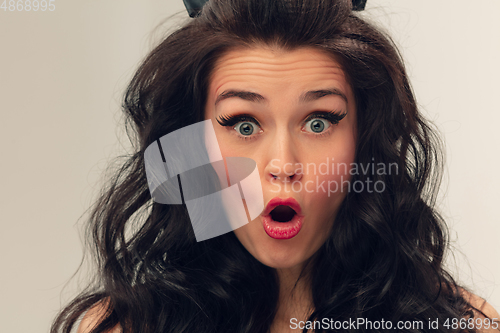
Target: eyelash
<point>334,117</point>
<point>231,121</point>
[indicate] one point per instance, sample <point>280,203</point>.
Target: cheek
<point>326,185</point>
<point>216,153</point>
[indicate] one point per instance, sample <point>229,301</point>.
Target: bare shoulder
<point>93,317</point>
<point>487,309</point>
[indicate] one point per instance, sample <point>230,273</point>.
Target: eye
<point>320,121</point>
<point>246,128</point>
<point>317,125</point>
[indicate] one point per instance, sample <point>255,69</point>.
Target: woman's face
<point>294,113</point>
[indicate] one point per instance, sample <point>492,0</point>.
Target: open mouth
<point>282,213</point>
<point>282,218</point>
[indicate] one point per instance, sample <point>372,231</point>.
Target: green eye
<point>316,125</point>
<point>245,128</point>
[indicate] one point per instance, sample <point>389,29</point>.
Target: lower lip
<point>282,230</point>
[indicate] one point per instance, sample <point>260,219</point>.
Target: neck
<point>295,297</point>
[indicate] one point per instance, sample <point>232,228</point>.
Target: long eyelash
<point>231,121</point>
<point>332,116</point>
<point>227,120</point>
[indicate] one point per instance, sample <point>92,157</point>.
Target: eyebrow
<point>317,94</point>
<point>254,97</point>
<point>245,95</point>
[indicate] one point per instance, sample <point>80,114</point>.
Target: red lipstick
<point>282,229</point>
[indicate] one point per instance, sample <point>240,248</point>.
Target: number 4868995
<point>28,5</point>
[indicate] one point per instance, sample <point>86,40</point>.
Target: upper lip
<point>275,202</point>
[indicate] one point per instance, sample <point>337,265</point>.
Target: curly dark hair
<point>384,258</point>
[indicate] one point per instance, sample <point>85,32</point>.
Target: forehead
<point>266,67</point>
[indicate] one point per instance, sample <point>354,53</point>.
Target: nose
<point>283,163</point>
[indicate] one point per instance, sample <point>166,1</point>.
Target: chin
<point>282,260</point>
<point>279,254</point>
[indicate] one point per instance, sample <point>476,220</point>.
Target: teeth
<point>282,214</point>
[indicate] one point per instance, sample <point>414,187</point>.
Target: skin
<point>281,144</point>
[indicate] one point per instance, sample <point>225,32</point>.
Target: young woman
<point>348,239</point>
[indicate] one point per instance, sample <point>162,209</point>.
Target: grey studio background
<point>62,76</point>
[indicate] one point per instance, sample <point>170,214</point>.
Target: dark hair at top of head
<point>194,6</point>
<point>384,256</point>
